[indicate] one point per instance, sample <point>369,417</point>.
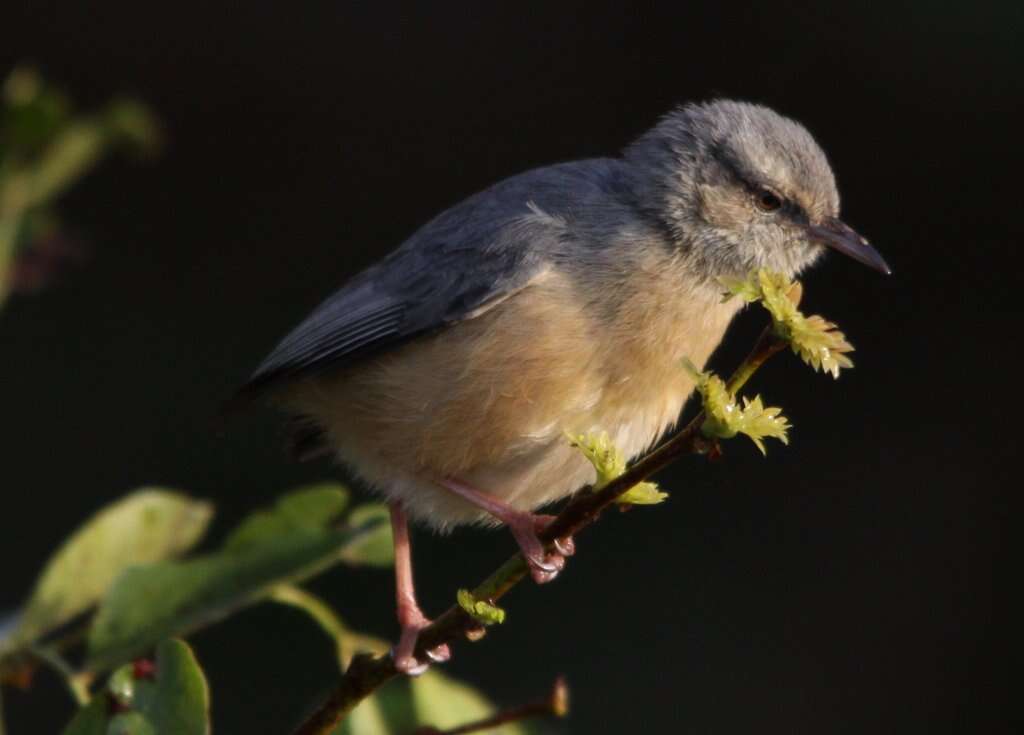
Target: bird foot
<point>413,622</point>
<point>544,565</point>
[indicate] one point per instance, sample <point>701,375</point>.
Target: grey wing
<point>469,257</point>
<point>446,273</point>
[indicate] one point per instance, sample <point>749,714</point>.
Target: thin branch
<point>367,673</point>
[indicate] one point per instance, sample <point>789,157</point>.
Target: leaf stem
<point>75,682</point>
<point>320,612</point>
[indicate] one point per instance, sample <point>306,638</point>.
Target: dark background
<point>853,582</point>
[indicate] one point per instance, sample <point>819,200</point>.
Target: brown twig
<point>367,673</point>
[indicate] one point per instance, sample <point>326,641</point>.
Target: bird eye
<point>767,200</point>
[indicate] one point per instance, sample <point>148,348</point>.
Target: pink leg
<point>410,618</point>
<point>544,565</point>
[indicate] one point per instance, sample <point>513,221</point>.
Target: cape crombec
<point>563,299</point>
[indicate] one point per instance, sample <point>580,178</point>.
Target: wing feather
<point>468,259</point>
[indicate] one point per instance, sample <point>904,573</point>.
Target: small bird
<point>563,299</point>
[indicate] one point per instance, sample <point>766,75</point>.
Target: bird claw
<point>402,654</point>
<point>409,665</point>
<point>565,546</point>
<point>412,666</point>
<point>439,654</point>
<point>546,571</point>
<point>550,563</point>
<point>544,565</point>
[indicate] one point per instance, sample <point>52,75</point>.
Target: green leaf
<point>75,149</point>
<point>176,701</point>
<point>819,344</point>
<point>431,699</point>
<point>644,493</point>
<point>374,549</point>
<point>297,539</point>
<point>133,124</point>
<point>32,112</point>
<point>609,463</point>
<point>304,510</point>
<point>149,525</point>
<point>90,720</point>
<point>9,226</point>
<point>815,339</point>
<point>608,460</point>
<point>131,723</point>
<point>44,150</point>
<point>725,417</point>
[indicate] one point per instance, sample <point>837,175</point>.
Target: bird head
<point>740,187</point>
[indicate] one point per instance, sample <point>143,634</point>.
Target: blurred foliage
<point>304,534</point>
<point>433,698</point>
<point>147,526</point>
<point>116,585</point>
<point>169,695</point>
<point>117,589</point>
<point>44,149</point>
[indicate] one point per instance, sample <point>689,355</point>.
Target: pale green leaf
<point>174,701</point>
<point>821,345</point>
<point>89,720</point>
<point>294,541</point>
<point>147,526</point>
<point>759,422</point>
<point>131,723</point>
<point>725,417</point>
<point>432,699</point>
<point>303,510</point>
<point>374,548</point>
<point>607,459</point>
<point>46,150</point>
<point>645,493</point>
<point>609,463</point>
<point>132,123</point>
<point>177,700</point>
<point>8,239</point>
<point>121,685</point>
<point>746,289</point>
<point>816,340</point>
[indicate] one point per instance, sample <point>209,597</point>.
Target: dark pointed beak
<point>835,234</point>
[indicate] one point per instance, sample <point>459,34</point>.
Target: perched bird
<point>563,299</point>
